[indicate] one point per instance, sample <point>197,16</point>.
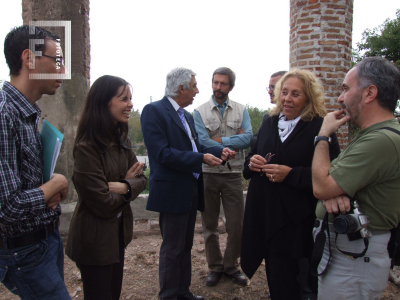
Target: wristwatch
<point>322,138</point>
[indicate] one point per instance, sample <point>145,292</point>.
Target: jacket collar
<point>173,113</point>
<point>212,103</point>
<point>20,102</point>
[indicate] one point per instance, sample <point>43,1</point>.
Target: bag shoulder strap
<point>391,129</point>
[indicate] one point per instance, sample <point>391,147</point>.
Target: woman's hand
<point>118,187</point>
<point>257,162</point>
<point>137,168</point>
<point>276,173</point>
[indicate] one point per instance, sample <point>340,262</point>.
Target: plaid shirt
<point>22,205</point>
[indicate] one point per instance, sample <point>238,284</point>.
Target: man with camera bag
<point>355,257</point>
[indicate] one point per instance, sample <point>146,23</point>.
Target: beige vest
<point>226,126</point>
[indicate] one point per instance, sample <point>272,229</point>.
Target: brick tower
<point>320,41</point>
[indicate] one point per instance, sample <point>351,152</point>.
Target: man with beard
<point>367,171</point>
<point>221,122</point>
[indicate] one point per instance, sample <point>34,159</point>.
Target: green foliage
<point>256,116</point>
<point>135,128</point>
<point>383,40</point>
<point>141,150</point>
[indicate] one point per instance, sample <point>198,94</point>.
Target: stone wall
<point>320,41</point>
<point>64,108</point>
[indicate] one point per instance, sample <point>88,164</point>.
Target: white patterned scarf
<point>285,127</point>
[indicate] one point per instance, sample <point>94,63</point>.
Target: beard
<point>219,95</point>
<point>353,109</point>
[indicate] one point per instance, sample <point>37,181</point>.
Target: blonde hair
<point>313,89</point>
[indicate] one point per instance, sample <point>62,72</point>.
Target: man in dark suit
<point>176,182</point>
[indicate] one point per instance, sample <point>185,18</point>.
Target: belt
<point>31,237</point>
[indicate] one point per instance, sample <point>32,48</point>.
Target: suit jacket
<point>279,216</point>
<point>171,157</point>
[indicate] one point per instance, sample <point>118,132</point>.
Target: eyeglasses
<point>59,59</point>
<point>270,88</point>
<point>268,157</point>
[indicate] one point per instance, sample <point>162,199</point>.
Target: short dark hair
<point>384,75</point>
<point>280,73</point>
<point>17,40</point>
<point>226,71</point>
<point>96,125</point>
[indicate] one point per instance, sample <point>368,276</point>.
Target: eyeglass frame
<point>60,58</point>
<point>268,157</point>
<point>270,88</point>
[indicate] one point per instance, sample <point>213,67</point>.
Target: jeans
<point>35,271</point>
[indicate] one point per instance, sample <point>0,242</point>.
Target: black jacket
<point>279,216</point>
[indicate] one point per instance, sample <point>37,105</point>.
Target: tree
<point>256,116</point>
<point>383,40</point>
<point>135,128</point>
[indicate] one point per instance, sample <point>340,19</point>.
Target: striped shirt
<point>22,205</point>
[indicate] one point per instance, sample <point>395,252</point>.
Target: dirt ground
<point>141,272</point>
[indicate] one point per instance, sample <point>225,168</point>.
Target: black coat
<point>279,216</point>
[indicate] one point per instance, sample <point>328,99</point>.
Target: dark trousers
<point>177,231</point>
<point>284,275</point>
<point>104,282</point>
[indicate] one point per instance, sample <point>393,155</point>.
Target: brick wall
<point>320,41</point>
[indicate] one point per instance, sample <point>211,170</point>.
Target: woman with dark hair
<point>280,205</point>
<point>107,177</point>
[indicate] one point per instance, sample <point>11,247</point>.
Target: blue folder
<point>51,143</point>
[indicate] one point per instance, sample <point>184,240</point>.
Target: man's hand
<point>227,154</point>
<point>55,190</point>
<point>241,131</point>
<point>211,160</point>
<point>53,202</point>
<point>276,173</point>
<point>137,168</point>
<point>332,122</point>
<point>340,203</point>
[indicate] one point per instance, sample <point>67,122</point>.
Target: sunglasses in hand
<point>268,157</point>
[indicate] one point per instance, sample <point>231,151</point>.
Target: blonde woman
<point>280,205</point>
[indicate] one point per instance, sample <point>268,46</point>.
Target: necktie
<point>182,116</point>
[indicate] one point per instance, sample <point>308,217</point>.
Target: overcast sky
<point>141,41</point>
